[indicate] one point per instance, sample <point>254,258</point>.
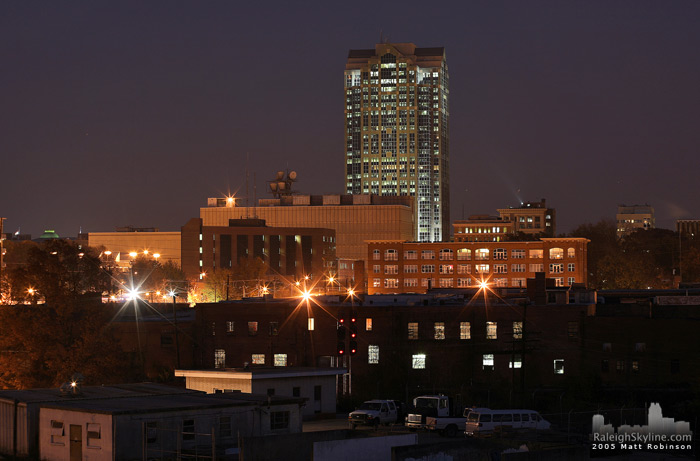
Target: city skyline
<point>133,114</point>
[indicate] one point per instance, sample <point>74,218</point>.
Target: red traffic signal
<point>341,348</point>
<point>353,347</point>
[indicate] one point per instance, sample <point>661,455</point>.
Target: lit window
<point>219,358</point>
<point>368,324</point>
<point>517,330</point>
<point>465,330</point>
<point>252,328</point>
<point>487,362</point>
<point>571,253</point>
<point>229,327</point>
<point>556,253</point>
<point>258,359</point>
<point>556,268</point>
<point>516,362</point>
<point>482,254</point>
<point>536,254</point>
<point>280,360</point>
<point>559,366</point>
<point>412,330</point>
<point>373,354</point>
<point>311,324</point>
<point>491,330</point>
<point>419,361</point>
<point>439,330</point>
<point>464,254</point>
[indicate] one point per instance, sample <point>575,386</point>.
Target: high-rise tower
<point>397,130</point>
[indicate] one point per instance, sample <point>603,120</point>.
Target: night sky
<point>133,113</point>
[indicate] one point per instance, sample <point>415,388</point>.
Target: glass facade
<point>397,130</point>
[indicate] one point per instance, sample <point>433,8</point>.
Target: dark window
<point>675,366</point>
<point>188,429</point>
<point>166,339</point>
<point>271,392</point>
<point>279,420</point>
<point>151,431</point>
<point>274,328</point>
<point>573,330</point>
<point>605,365</point>
<point>296,392</point>
<point>252,328</point>
<point>225,426</point>
<point>317,393</point>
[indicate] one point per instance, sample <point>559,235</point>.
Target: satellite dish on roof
<point>282,185</point>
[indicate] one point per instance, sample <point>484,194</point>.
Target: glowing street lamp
<point>133,254</point>
<point>156,256</point>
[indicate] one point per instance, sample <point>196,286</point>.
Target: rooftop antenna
<point>247,158</point>
<point>255,197</point>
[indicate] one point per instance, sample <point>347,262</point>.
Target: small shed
<point>162,426</point>
<point>317,385</point>
<point>19,410</point>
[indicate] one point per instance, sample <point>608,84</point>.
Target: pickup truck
<point>373,413</point>
<point>447,425</point>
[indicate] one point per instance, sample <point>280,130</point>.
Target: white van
<point>485,420</point>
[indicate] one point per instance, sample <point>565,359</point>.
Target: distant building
<point>407,267</point>
<point>634,217</point>
<point>354,218</point>
<point>482,228</point>
<point>290,252</point>
<point>531,218</point>
<point>121,247</point>
<point>397,130</point>
<point>316,385</point>
<point>689,228</point>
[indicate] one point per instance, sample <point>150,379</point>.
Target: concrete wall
<point>366,449</point>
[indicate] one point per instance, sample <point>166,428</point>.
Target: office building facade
<point>397,130</point>
<point>409,267</point>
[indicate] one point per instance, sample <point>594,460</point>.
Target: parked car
<point>373,413</point>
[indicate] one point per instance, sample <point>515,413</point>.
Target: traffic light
<point>341,335</point>
<point>353,333</point>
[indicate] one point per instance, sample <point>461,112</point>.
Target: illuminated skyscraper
<point>397,130</point>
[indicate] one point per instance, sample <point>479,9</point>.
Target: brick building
<point>485,349</point>
<point>410,267</point>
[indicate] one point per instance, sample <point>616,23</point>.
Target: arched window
<point>464,254</point>
<point>482,254</point>
<point>556,253</point>
<point>571,253</point>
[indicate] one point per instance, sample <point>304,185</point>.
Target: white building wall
<point>55,444</point>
